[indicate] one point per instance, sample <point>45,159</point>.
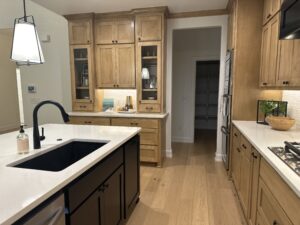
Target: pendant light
<point>26,47</point>
<point>26,50</point>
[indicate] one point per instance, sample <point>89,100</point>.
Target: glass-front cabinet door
<point>82,78</point>
<point>149,76</point>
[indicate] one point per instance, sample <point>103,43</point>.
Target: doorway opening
<point>195,83</point>
<point>206,97</point>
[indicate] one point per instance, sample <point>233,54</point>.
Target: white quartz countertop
<point>21,190</point>
<point>262,137</point>
<point>121,115</point>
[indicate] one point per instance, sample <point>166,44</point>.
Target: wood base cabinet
<point>264,196</point>
<point>152,137</point>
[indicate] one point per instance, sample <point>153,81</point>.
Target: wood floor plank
<point>190,189</point>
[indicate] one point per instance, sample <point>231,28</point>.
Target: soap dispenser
<point>22,141</point>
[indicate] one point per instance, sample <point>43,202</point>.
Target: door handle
<point>225,131</point>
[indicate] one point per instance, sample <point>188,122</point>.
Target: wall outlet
<point>31,89</point>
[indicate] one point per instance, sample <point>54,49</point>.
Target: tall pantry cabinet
<point>150,56</point>
<point>82,61</point>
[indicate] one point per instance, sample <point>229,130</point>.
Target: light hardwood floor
<point>190,189</point>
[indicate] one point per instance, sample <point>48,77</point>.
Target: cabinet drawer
<point>88,107</point>
<point>268,207</point>
<point>148,153</point>
<point>149,108</point>
<point>283,194</point>
<point>143,123</point>
<point>149,137</point>
<point>90,120</point>
<point>245,147</point>
<point>87,183</point>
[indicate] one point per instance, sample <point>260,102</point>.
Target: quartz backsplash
<point>293,98</point>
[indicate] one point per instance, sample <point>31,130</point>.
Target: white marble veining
<point>21,190</point>
<point>121,115</point>
<point>262,137</point>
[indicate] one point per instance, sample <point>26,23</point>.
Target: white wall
<point>9,113</point>
<point>189,46</point>
<point>52,78</point>
<point>193,23</point>
<point>293,98</point>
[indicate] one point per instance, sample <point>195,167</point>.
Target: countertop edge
<point>274,166</point>
<point>120,115</point>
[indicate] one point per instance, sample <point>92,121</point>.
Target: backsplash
<point>119,96</point>
<point>293,98</point>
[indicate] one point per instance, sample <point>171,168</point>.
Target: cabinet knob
<point>264,83</point>
<point>116,41</point>
<point>238,149</point>
<point>235,135</point>
<point>253,155</point>
<point>88,41</point>
<point>139,38</point>
<point>244,146</point>
<point>275,222</point>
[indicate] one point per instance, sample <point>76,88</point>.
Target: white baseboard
<point>169,153</point>
<point>183,139</point>
<point>218,157</point>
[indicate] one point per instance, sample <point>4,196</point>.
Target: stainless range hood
<point>290,20</point>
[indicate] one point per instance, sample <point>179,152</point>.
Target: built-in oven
<point>290,20</point>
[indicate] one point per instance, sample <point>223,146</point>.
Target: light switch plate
<point>31,89</point>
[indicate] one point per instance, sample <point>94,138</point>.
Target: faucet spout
<point>36,133</point>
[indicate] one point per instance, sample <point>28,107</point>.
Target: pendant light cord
<point>24,6</point>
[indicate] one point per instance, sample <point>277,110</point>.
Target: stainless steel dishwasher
<point>53,213</point>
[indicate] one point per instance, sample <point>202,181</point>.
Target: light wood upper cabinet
<point>149,27</point>
<point>124,31</point>
<point>269,52</point>
<point>115,66</point>
<point>125,66</point>
<point>271,7</point>
<point>114,31</point>
<point>105,31</point>
<point>106,66</point>
<point>295,68</point>
<point>231,25</point>
<point>80,31</point>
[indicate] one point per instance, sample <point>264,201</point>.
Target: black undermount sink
<point>61,157</point>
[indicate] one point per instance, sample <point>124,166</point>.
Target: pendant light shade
<point>26,47</point>
<point>145,74</point>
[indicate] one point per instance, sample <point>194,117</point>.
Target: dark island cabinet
<point>132,174</point>
<point>107,193</point>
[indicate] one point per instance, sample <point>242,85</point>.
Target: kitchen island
<point>22,190</point>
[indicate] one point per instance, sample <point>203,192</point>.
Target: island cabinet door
<point>131,174</point>
<point>111,199</point>
<point>87,213</point>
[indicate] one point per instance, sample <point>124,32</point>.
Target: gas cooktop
<point>290,154</point>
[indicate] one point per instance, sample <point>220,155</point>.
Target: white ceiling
<point>64,7</point>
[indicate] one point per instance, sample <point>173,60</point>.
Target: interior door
<point>106,66</point>
<point>125,61</point>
